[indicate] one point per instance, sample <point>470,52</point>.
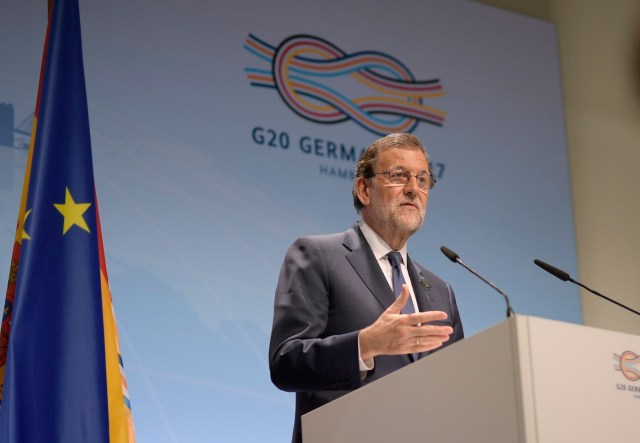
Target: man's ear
<point>363,188</point>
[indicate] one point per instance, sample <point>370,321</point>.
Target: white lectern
<point>525,379</point>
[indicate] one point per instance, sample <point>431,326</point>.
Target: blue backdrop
<point>199,155</point>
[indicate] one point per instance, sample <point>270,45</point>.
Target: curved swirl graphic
<point>322,83</point>
<point>625,363</point>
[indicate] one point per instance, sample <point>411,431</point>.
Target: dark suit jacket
<point>330,287</point>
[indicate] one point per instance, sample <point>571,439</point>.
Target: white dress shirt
<point>380,250</point>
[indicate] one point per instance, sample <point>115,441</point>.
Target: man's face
<point>391,209</point>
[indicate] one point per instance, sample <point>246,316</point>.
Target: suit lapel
<point>365,264</point>
<point>421,287</point>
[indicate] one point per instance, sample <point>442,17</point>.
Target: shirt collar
<point>379,247</point>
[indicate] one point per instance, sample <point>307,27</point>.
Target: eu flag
<point>60,371</point>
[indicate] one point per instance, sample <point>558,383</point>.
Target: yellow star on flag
<point>72,213</point>
<point>23,235</point>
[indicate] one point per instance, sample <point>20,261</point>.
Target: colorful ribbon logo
<point>625,363</point>
<point>324,84</point>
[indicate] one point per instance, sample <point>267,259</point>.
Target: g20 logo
<point>629,364</point>
<point>323,84</point>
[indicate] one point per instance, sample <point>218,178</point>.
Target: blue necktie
<point>398,280</point>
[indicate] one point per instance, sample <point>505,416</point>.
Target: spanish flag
<point>61,374</point>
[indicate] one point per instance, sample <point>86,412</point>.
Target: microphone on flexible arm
<point>565,277</point>
<point>456,259</point>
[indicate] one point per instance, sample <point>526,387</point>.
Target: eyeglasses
<point>402,177</point>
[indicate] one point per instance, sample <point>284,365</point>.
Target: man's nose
<point>412,186</point>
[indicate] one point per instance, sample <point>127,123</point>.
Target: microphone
<point>456,259</point>
<point>565,277</point>
<point>553,270</point>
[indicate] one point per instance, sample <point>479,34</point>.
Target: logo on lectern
<point>629,364</point>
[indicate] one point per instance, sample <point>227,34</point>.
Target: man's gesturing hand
<point>394,333</point>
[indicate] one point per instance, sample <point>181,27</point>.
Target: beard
<point>395,216</point>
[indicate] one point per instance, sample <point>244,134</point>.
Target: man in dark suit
<point>337,323</point>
